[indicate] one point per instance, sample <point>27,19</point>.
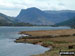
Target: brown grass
<point>49,32</point>
<point>65,38</point>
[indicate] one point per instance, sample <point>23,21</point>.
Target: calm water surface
<point>9,48</point>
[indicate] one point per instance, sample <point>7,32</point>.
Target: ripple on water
<point>9,48</point>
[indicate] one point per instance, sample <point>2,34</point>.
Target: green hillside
<point>70,22</point>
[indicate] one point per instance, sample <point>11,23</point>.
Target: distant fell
<point>33,16</point>
<point>70,22</point>
<point>48,17</point>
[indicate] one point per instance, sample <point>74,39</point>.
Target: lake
<point>9,48</point>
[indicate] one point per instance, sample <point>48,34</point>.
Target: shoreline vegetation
<point>56,40</point>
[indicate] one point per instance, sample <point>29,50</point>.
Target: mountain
<point>5,20</point>
<point>70,22</point>
<point>10,21</point>
<point>39,17</point>
<point>60,16</point>
<point>34,16</point>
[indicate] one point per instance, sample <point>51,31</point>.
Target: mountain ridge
<point>35,15</point>
<point>70,22</point>
<point>38,16</point>
<point>10,21</point>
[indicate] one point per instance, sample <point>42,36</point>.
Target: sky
<point>13,7</point>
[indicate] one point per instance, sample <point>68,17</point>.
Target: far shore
<point>53,39</point>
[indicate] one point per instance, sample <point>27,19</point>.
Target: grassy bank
<point>54,39</point>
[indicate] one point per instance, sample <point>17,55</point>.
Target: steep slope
<point>5,20</point>
<point>33,16</point>
<point>39,17</point>
<point>70,22</point>
<point>60,16</point>
<point>10,21</point>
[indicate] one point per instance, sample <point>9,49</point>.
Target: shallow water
<point>9,48</point>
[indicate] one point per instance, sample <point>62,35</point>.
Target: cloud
<point>43,4</point>
<point>17,5</point>
<point>10,13</point>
